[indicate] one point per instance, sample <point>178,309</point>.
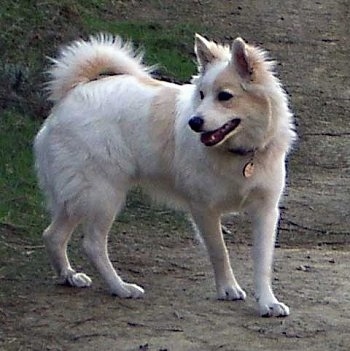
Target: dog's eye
<point>224,96</point>
<point>201,94</point>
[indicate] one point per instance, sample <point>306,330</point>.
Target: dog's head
<point>233,104</point>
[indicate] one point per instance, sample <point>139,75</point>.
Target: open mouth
<point>214,137</point>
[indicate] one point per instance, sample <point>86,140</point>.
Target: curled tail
<point>84,61</point>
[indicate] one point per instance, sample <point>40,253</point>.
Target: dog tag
<point>248,169</point>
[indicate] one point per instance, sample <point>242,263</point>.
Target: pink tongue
<point>212,138</point>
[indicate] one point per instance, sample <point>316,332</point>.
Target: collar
<point>248,168</point>
<point>240,151</point>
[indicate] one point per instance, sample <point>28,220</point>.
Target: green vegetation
<point>20,203</point>
<point>32,30</point>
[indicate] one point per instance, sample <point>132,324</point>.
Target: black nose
<point>196,123</point>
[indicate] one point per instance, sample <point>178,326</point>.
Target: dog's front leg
<point>264,228</point>
<point>208,224</point>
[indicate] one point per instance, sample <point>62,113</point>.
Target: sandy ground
<point>179,312</point>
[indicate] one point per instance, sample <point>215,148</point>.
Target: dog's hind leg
<point>56,237</point>
<point>208,223</point>
<point>96,229</point>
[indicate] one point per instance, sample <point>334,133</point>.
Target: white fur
<point>106,135</point>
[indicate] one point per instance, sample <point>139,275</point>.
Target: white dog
<point>215,146</point>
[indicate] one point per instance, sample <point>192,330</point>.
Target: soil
<point>309,39</point>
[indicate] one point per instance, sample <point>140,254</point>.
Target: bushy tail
<point>83,61</point>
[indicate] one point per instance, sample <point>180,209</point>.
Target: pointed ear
<point>203,52</point>
<point>241,60</point>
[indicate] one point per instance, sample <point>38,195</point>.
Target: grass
<point>32,30</point>
<point>20,203</point>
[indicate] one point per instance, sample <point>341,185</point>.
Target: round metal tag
<point>248,169</point>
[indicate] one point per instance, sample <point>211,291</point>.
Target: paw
<point>273,309</point>
<point>79,280</point>
<point>231,292</point>
<point>129,291</point>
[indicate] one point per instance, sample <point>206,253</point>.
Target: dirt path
<point>310,40</point>
<point>179,311</point>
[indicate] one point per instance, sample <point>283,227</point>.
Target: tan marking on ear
<point>208,52</point>
<point>261,68</point>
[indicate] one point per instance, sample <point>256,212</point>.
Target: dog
<point>216,145</point>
